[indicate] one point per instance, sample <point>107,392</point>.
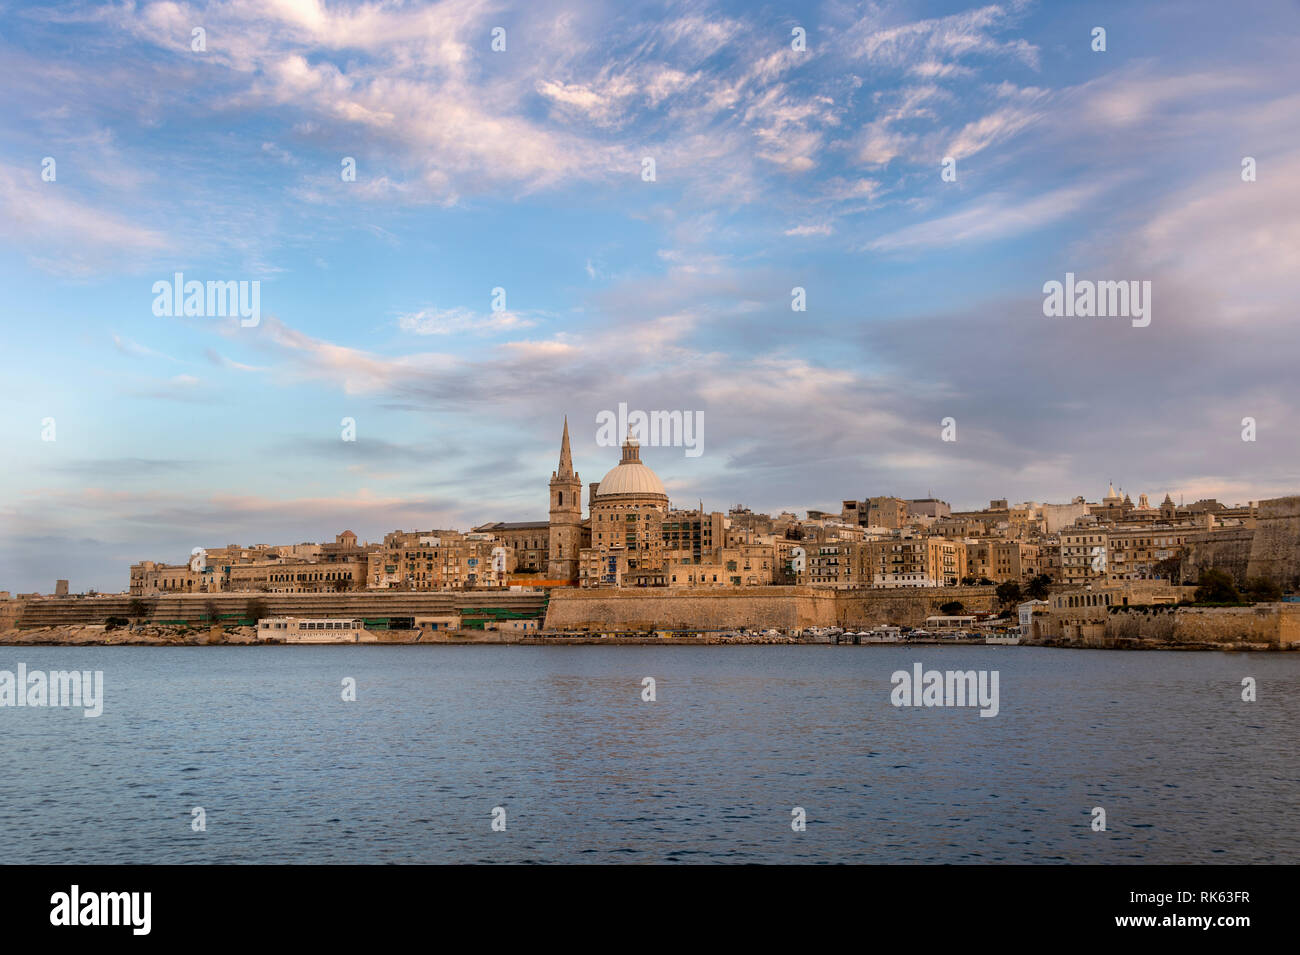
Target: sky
<point>502,258</point>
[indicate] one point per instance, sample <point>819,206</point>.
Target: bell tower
<point>565,516</point>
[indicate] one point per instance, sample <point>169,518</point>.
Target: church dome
<point>631,477</point>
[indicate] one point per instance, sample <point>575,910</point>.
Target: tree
<point>340,585</point>
<point>1216,587</point>
<point>211,612</point>
<point>1261,589</point>
<point>952,608</point>
<point>985,582</point>
<point>1009,592</point>
<point>1037,589</point>
<point>255,609</point>
<point>1168,569</point>
<point>139,608</point>
<point>968,581</point>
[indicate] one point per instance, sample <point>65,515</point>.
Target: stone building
<point>1015,560</point>
<point>439,560</point>
<point>628,512</point>
<point>1083,554</point>
<point>529,540</point>
<point>914,562</point>
<point>566,537</point>
<point>930,507</point>
<point>843,564</point>
<point>891,512</point>
<point>1135,553</point>
<point>1080,615</point>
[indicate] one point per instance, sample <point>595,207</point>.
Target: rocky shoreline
<point>92,635</point>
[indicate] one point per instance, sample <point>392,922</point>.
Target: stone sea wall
<point>634,609</point>
<point>908,606</point>
<point>780,608</point>
<point>1273,625</point>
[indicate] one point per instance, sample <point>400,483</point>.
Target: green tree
<point>1009,592</point>
<point>1261,588</point>
<point>1038,587</point>
<point>1216,587</point>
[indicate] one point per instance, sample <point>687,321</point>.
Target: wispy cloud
<point>990,218</point>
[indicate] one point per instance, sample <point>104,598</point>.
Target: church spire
<point>566,457</point>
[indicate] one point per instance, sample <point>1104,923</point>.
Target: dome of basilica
<point>631,477</point>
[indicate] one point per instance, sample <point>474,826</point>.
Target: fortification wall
<point>1155,624</point>
<point>11,611</point>
<point>908,606</point>
<point>67,611</point>
<point>782,608</point>
<point>1275,551</point>
<point>1227,549</point>
<point>1259,624</point>
<point>1276,624</point>
<point>602,609</point>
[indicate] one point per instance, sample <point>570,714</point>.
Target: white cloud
<point>820,228</point>
<point>940,41</point>
<point>449,321</point>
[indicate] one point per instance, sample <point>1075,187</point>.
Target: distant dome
<point>630,476</point>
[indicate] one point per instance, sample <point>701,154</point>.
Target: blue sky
<point>521,170</point>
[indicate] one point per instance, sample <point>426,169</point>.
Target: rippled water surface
<point>586,771</point>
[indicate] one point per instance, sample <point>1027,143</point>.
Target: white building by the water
<point>299,630</point>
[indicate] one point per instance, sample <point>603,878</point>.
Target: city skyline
<point>550,551</point>
<point>522,170</point>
